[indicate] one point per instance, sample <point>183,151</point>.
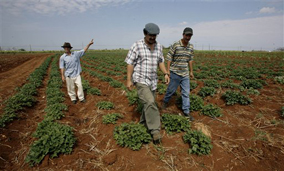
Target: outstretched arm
<point>87,47</point>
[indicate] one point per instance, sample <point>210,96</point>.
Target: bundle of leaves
<point>162,88</point>
<point>233,97</point>
<point>252,91</point>
<point>211,110</point>
<point>89,89</point>
<point>94,91</point>
<point>256,84</point>
<point>206,91</point>
<point>53,138</point>
<point>211,83</point>
<point>279,79</point>
<point>111,118</point>
<point>55,111</point>
<point>201,75</point>
<point>131,135</point>
<point>229,84</point>
<point>132,97</point>
<point>140,107</point>
<point>104,78</point>
<point>248,73</point>
<point>200,144</point>
<point>196,102</point>
<point>193,85</point>
<point>175,123</point>
<point>105,105</point>
<point>85,84</point>
<point>115,84</point>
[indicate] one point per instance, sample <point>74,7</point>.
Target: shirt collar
<point>181,44</point>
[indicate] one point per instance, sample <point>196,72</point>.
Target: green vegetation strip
<point>25,95</point>
<point>53,138</point>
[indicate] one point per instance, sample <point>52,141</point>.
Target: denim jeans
<point>177,80</point>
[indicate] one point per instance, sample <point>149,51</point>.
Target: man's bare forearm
<point>168,65</point>
<point>130,69</point>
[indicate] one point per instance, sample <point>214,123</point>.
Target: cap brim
<point>67,46</point>
<point>188,33</point>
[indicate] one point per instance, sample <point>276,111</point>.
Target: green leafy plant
<point>233,97</point>
<point>53,139</point>
<point>175,123</point>
<point>111,118</point>
<point>131,135</point>
<point>132,97</point>
<point>55,111</point>
<point>211,83</point>
<point>279,79</point>
<point>256,84</point>
<point>253,91</point>
<point>115,84</point>
<point>211,110</point>
<point>105,105</point>
<point>206,91</point>
<point>193,85</point>
<point>162,88</point>
<point>229,84</point>
<point>94,91</point>
<point>200,144</point>
<point>196,102</point>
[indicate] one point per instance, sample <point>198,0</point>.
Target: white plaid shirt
<point>145,63</point>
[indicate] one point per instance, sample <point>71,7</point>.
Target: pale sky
<point>217,24</point>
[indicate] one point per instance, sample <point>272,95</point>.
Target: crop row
<point>25,97</point>
<point>53,138</point>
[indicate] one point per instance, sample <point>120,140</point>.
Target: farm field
<point>236,98</point>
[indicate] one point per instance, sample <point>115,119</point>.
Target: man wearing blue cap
<point>179,57</point>
<point>142,60</point>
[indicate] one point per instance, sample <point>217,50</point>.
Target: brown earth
<point>245,138</point>
<point>15,69</point>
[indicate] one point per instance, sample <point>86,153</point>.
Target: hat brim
<point>67,47</point>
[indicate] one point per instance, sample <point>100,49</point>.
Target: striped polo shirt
<point>179,57</point>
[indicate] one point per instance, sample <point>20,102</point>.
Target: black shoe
<point>157,138</point>
<point>83,101</point>
<point>188,116</point>
<point>74,101</point>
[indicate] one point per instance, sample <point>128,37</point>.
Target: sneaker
<point>188,116</point>
<point>157,138</point>
<point>83,101</point>
<point>74,101</point>
<point>164,105</point>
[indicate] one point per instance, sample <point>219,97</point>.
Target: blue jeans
<point>177,80</point>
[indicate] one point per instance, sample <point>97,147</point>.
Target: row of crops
<point>52,137</point>
<point>25,95</point>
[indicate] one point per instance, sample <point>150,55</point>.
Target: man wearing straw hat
<point>70,67</point>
